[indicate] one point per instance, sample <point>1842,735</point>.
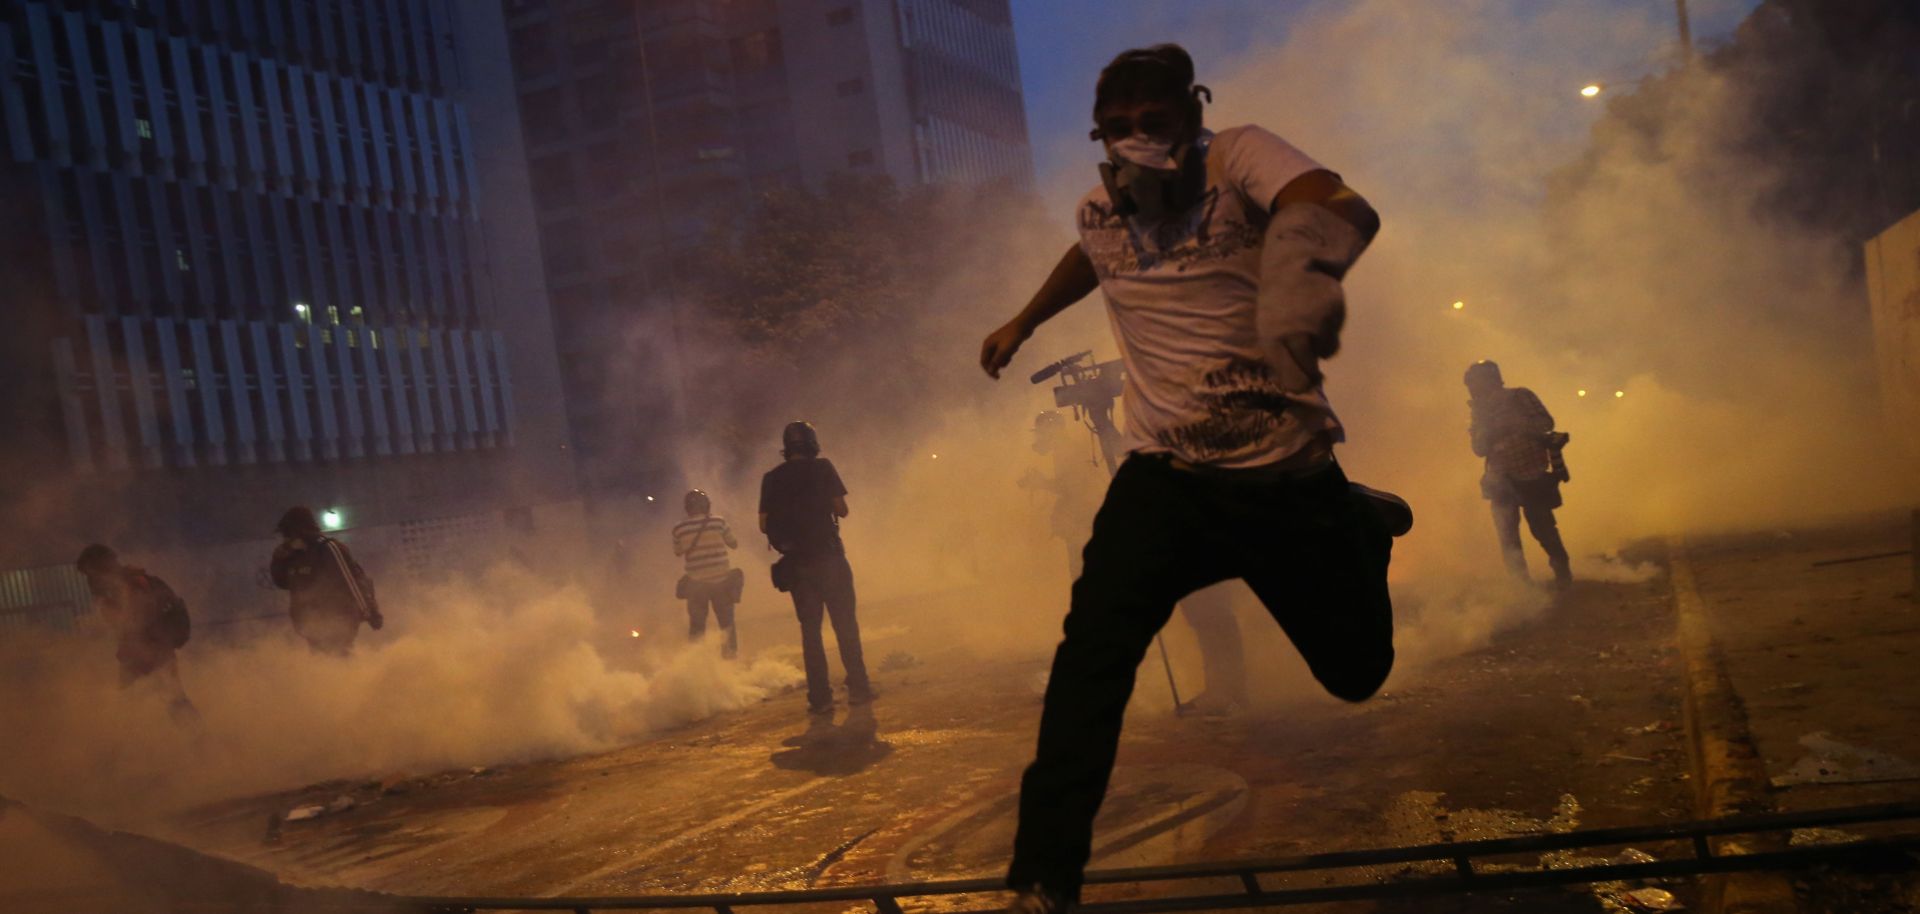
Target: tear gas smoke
<point>495,670</point>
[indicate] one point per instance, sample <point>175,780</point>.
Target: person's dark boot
<point>1037,900</point>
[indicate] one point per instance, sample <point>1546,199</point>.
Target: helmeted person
<point>802,502</point>
<point>149,622</point>
<point>328,595</point>
<point>710,580</point>
<point>1221,257</point>
<point>1512,429</point>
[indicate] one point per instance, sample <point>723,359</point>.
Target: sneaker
<point>863,698</point>
<point>1393,510</point>
<point>1037,900</point>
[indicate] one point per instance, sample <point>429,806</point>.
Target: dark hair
<point>1163,72</point>
<point>298,521</point>
<point>96,559</point>
<point>799,438</point>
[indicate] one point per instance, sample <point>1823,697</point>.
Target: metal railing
<point>1471,871</point>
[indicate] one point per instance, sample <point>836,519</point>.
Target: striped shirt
<point>704,542</point>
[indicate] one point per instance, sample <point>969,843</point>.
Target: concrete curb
<point>1729,776</point>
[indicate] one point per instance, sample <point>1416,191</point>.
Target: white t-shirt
<point>1182,296</point>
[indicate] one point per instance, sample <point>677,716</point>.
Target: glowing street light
<point>1592,90</point>
<point>1618,394</point>
<point>1459,306</point>
<point>332,519</point>
<point>1580,393</point>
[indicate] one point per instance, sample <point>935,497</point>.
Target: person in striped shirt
<point>710,580</point>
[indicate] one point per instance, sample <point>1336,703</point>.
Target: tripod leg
<point>1179,709</point>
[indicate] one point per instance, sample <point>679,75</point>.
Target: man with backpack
<point>801,503</point>
<point>328,595</point>
<point>1512,429</point>
<point>147,618</point>
<point>710,579</point>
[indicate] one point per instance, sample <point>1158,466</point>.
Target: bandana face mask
<point>1152,178</point>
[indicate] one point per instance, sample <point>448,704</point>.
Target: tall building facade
<point>646,121</point>
<point>267,252</point>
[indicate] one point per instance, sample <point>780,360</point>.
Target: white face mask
<point>1144,151</point>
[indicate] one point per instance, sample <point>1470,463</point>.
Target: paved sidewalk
<point>1824,659</point>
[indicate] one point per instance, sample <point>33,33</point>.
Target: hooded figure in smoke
<point>1221,256</point>
<point>149,622</point>
<point>1512,429</point>
<point>328,595</point>
<point>801,503</point>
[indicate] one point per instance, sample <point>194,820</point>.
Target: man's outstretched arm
<point>1072,279</point>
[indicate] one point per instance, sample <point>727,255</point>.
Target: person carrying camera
<point>328,595</point>
<point>1512,429</point>
<point>1220,256</point>
<point>710,579</point>
<point>149,622</point>
<point>801,503</point>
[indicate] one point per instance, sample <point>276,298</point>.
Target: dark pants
<point>1314,553</point>
<point>1540,522</point>
<point>719,596</point>
<point>823,585</point>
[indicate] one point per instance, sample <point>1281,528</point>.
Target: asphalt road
<point>1569,720</point>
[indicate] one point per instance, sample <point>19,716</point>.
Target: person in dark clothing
<point>1512,429</point>
<point>328,595</point>
<point>801,503</point>
<point>1220,256</point>
<point>148,620</point>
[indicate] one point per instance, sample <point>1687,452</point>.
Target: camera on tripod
<point>1084,383</point>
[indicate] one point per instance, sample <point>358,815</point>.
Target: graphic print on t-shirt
<point>1177,243</point>
<point>1182,295</point>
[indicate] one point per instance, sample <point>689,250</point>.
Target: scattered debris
<point>1628,758</point>
<point>1633,855</point>
<point>1809,837</point>
<point>898,660</point>
<point>1658,726</point>
<point>479,771</point>
<point>1652,899</point>
<point>1835,762</point>
<point>341,804</point>
<point>303,813</point>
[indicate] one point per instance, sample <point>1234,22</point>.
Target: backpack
<point>173,625</point>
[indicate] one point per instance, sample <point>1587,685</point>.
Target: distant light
<point>299,307</point>
<point>1591,91</point>
<point>1581,393</point>
<point>332,519</point>
<point>1618,394</point>
<point>635,633</point>
<point>649,498</point>
<point>936,456</point>
<point>1459,305</point>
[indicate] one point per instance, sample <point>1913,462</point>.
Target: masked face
<point>1152,168</point>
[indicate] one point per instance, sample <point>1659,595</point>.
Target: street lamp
<point>1592,90</point>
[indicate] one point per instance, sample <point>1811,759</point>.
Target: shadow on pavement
<point>850,747</point>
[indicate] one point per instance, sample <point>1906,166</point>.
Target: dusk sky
<point>1063,44</point>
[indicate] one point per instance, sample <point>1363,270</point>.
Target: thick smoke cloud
<point>1746,403</point>
<point>497,670</point>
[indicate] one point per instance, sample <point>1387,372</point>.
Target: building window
<point>841,16</point>
<point>180,261</point>
<point>859,158</point>
<point>143,127</point>
<point>850,87</point>
<point>757,53</point>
